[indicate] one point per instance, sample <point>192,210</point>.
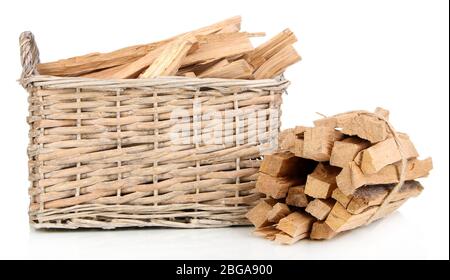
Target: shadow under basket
<point>109,153</point>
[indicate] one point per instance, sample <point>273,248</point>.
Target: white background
<point>356,55</point>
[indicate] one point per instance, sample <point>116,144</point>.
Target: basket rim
<point>54,82</point>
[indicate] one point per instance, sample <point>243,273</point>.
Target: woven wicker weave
<point>101,155</point>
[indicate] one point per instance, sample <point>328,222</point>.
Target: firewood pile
<point>345,172</point>
<point>220,50</point>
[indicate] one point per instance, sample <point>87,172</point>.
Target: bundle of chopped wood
<point>345,172</point>
<point>220,50</point>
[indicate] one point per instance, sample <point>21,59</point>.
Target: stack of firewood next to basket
<point>220,50</point>
<point>334,177</point>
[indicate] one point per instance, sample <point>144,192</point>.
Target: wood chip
<point>268,49</point>
<point>322,182</point>
<point>345,151</point>
<point>297,197</point>
<point>322,231</point>
<point>278,212</point>
<point>212,67</point>
<point>280,164</point>
<point>278,63</point>
<point>219,46</point>
<point>276,187</point>
<point>169,60</point>
<point>355,124</point>
<point>386,152</point>
<point>366,127</point>
<point>258,216</point>
<point>296,224</point>
<point>319,141</point>
<point>320,208</point>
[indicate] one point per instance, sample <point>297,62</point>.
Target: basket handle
<point>29,55</point>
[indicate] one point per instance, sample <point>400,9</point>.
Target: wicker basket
<point>102,153</point>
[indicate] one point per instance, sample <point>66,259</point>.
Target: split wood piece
<point>79,65</point>
<point>276,65</point>
<point>296,224</point>
<point>286,139</point>
<point>278,212</point>
<point>320,208</point>
<point>340,197</point>
<point>351,178</point>
<point>386,152</point>
<point>132,70</point>
<point>239,69</point>
<point>319,188</point>
<point>356,124</point>
<point>267,232</point>
<point>285,239</point>
<point>276,187</point>
<point>268,49</point>
<point>341,220</point>
<point>169,60</point>
<point>219,46</point>
<point>280,164</point>
<point>211,67</point>
<point>403,137</point>
<point>258,215</point>
<point>368,196</point>
<point>109,72</point>
<point>345,151</point>
<point>322,182</point>
<point>319,141</point>
<point>297,197</point>
<point>366,127</point>
<point>199,67</point>
<point>321,231</point>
